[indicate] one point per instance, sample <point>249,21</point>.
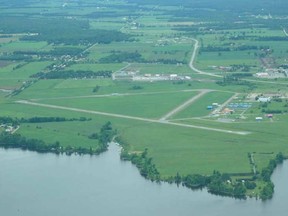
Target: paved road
<point>184,105</point>
<point>192,67</point>
<point>191,64</point>
<point>131,117</point>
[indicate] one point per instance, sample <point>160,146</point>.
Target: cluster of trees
<point>144,163</point>
<point>118,57</point>
<point>242,67</point>
<point>168,61</point>
<point>96,89</point>
<point>235,79</point>
<point>79,74</point>
<point>9,120</point>
<point>136,87</point>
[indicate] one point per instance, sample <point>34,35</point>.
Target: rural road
<point>285,32</point>
<point>185,104</point>
<point>131,117</point>
<point>192,67</point>
<point>191,64</point>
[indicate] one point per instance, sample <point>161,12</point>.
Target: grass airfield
<point>169,118</point>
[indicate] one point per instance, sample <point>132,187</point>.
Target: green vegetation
<point>69,72</point>
<point>9,140</point>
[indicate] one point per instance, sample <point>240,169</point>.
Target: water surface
<point>33,184</point>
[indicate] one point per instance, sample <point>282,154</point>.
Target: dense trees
<point>79,74</point>
<point>267,191</point>
<point>118,57</point>
<point>38,119</point>
<point>217,183</point>
<point>59,30</point>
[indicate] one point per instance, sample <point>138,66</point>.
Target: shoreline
<point>157,179</point>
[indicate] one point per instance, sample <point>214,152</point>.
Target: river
<point>33,184</point>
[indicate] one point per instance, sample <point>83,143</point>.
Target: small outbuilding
<point>259,118</point>
<point>264,99</point>
<point>269,115</point>
<point>209,107</point>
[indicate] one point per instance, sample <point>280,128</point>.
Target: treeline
<point>272,38</point>
<point>8,140</point>
<point>266,173</point>
<point>59,51</point>
<point>222,184</point>
<point>79,74</point>
<point>211,48</point>
<point>144,163</point>
<point>15,57</point>
<point>217,183</point>
<point>273,111</point>
<point>52,119</point>
<point>106,135</point>
<point>37,119</point>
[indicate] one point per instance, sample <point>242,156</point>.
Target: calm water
<point>33,184</point>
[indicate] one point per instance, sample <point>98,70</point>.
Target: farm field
<point>196,117</point>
